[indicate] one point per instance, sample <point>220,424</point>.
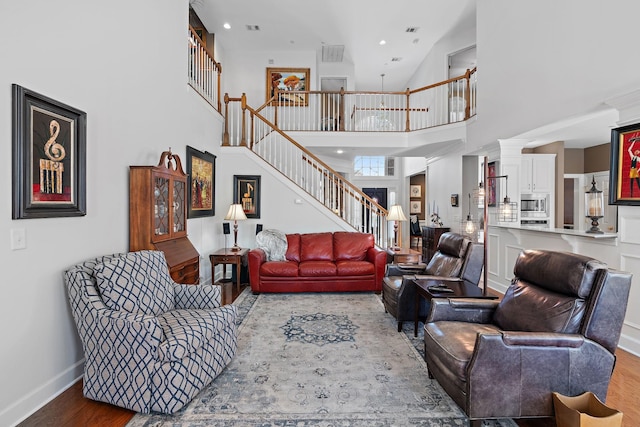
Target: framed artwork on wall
<point>415,207</point>
<point>416,191</point>
<point>48,157</point>
<point>201,181</point>
<point>246,191</point>
<point>290,82</point>
<point>491,184</point>
<point>624,170</point>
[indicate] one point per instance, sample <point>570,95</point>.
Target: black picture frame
<point>246,191</point>
<point>201,182</point>
<point>454,200</point>
<point>624,180</point>
<point>48,157</point>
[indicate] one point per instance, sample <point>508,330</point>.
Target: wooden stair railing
<point>312,175</point>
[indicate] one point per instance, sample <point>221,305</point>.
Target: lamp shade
<point>235,213</point>
<point>396,214</point>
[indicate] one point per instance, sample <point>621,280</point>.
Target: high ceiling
<point>409,27</point>
<point>359,26</point>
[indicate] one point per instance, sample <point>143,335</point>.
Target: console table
<point>227,256</point>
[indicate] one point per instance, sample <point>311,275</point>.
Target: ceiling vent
<point>253,27</point>
<point>332,53</point>
<point>412,29</point>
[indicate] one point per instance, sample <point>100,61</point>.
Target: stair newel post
<point>276,96</point>
<point>408,121</point>
<point>225,136</point>
<point>467,95</point>
<point>243,138</point>
<point>341,112</point>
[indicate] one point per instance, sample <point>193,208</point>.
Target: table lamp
<point>236,213</point>
<point>396,214</point>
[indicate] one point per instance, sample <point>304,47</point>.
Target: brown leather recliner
<point>456,258</point>
<point>556,329</point>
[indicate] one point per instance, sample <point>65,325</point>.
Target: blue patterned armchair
<point>149,343</point>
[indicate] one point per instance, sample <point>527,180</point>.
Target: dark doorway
<point>380,196</point>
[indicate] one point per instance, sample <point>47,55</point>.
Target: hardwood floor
<point>71,409</point>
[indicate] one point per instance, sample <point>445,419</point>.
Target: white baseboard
<point>26,405</point>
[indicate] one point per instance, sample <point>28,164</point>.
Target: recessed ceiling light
<point>226,26</point>
<point>339,151</point>
<point>383,42</point>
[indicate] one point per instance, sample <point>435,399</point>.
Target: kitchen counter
<point>565,231</point>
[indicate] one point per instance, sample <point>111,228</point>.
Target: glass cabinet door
<point>161,205</point>
<point>179,206</point>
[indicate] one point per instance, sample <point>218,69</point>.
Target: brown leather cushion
<point>293,247</point>
<point>316,247</point>
<point>317,268</point>
<point>453,244</point>
<point>279,269</point>
<point>530,308</point>
<point>355,268</point>
<point>451,345</point>
<point>351,246</point>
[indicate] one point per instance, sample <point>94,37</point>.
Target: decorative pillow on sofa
<point>273,243</point>
<point>138,282</point>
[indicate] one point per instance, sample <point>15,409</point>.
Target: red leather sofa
<point>320,262</point>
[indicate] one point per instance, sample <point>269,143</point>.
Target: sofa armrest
<point>379,259</point>
<point>462,310</point>
<point>255,258</point>
<point>196,296</point>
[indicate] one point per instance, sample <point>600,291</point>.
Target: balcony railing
<point>446,102</point>
<point>204,72</point>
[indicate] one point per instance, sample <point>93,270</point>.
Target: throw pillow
<point>138,282</point>
<point>273,243</point>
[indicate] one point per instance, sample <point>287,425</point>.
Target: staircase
<point>265,131</point>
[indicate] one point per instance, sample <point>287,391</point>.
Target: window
<point>373,166</point>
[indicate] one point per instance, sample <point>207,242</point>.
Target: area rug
<point>331,359</point>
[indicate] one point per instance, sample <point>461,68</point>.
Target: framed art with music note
<point>48,157</point>
<point>246,191</point>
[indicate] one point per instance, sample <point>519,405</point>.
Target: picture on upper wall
<point>49,157</point>
<point>201,168</point>
<point>246,191</point>
<point>290,82</point>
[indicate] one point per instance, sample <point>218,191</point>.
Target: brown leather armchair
<point>456,258</point>
<point>556,329</point>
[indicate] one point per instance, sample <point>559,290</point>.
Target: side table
<point>227,256</point>
<point>403,256</point>
<point>454,288</point>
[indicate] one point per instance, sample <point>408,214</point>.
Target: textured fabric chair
<point>555,330</point>
<point>415,232</point>
<point>456,258</point>
<point>149,344</point>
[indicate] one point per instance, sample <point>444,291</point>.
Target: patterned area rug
<point>319,360</point>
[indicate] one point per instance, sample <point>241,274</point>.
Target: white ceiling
<point>358,25</point>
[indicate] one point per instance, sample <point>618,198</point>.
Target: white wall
<point>124,63</point>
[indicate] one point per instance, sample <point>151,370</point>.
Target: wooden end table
<point>425,288</point>
<point>227,256</point>
<point>403,256</point>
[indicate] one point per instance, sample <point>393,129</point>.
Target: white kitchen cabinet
<point>538,173</point>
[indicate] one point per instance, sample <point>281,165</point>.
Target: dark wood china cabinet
<point>158,216</point>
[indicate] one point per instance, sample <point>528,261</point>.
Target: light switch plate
<point>18,239</point>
